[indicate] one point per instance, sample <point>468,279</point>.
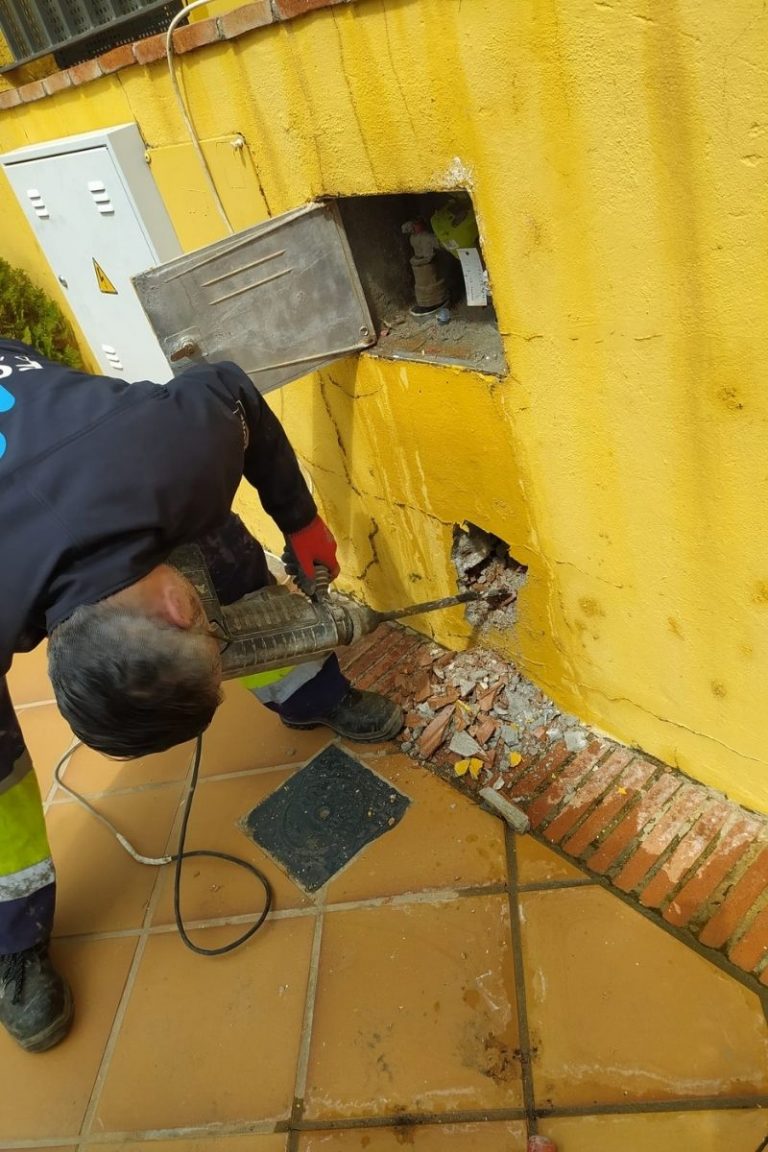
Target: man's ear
<point>175,607</point>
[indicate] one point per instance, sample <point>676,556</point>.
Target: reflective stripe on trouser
<point>279,684</point>
<point>27,880</point>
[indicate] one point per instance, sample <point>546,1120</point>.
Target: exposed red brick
<point>588,791</point>
<point>117,58</point>
<point>355,655</point>
<point>686,854</point>
<point>736,839</point>
<point>245,19</point>
<point>673,823</point>
<point>287,9</point>
<point>753,946</point>
<point>57,82</point>
<point>195,35</point>
<point>545,806</point>
<point>9,99</point>
<point>463,720</point>
<point>619,840</point>
<point>85,72</point>
<point>449,697</point>
<point>387,659</point>
<point>535,772</point>
<point>32,91</point>
<point>432,736</point>
<point>625,790</point>
<point>485,700</point>
<point>485,729</point>
<point>149,50</point>
<point>379,657</point>
<point>385,681</point>
<point>420,685</point>
<point>425,658</point>
<point>737,903</point>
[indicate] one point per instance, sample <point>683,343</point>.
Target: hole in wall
<point>420,289</point>
<point>483,564</point>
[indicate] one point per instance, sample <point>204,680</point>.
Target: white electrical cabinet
<point>100,220</point>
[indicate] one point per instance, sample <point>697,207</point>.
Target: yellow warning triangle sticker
<point>105,284</point>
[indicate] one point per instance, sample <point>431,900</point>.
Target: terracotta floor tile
<point>442,841</point>
<point>620,1011</point>
<point>415,1011</point>
<point>90,772</point>
<point>246,735</point>
<point>537,864</point>
<point>671,1132</point>
<point>213,888</point>
<point>47,736</point>
<point>47,1095</point>
<point>28,677</point>
<point>509,1137</point>
<point>249,1143</point>
<point>209,1040</point>
<point>100,888</point>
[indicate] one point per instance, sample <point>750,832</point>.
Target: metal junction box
<point>99,218</point>
<point>280,299</point>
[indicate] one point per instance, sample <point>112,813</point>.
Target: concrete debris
<point>514,816</point>
<point>575,741</point>
<point>471,548</point>
<point>478,706</point>
<point>464,745</point>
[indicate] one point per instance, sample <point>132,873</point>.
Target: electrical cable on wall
<point>179,856</point>
<point>185,111</point>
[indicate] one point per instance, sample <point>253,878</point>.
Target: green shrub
<point>29,315</point>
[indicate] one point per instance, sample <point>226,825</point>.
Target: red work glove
<point>315,545</point>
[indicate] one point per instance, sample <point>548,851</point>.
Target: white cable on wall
<point>185,113</point>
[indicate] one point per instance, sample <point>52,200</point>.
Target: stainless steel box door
<point>280,299</point>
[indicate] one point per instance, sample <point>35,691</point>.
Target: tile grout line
<point>516,932</point>
<point>302,1066</point>
<point>109,1048</point>
<point>404,899</point>
<point>122,1008</point>
<point>307,1026</point>
<point>685,1106</point>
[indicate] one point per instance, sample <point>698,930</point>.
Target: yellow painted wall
<point>615,152</point>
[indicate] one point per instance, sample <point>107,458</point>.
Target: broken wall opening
<point>420,261</point>
<point>483,564</point>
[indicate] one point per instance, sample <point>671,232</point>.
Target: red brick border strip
<point>681,852</point>
<point>190,38</point>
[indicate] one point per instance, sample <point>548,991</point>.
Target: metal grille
<point>76,30</point>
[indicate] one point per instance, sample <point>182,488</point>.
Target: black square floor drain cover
<point>319,819</point>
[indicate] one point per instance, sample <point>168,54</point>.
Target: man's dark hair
<point>130,685</point>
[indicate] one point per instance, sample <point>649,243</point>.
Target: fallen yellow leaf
<point>475,766</point>
<point>515,758</point>
<point>461,767</point>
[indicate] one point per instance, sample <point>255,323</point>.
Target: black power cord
<point>180,856</point>
<point>183,855</point>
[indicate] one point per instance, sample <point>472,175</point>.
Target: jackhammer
<point>275,626</point>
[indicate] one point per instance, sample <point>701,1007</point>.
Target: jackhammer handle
<point>322,582</point>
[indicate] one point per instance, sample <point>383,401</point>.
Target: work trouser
<point>27,881</point>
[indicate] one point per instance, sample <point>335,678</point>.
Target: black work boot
<point>35,1002</point>
<point>363,716</point>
